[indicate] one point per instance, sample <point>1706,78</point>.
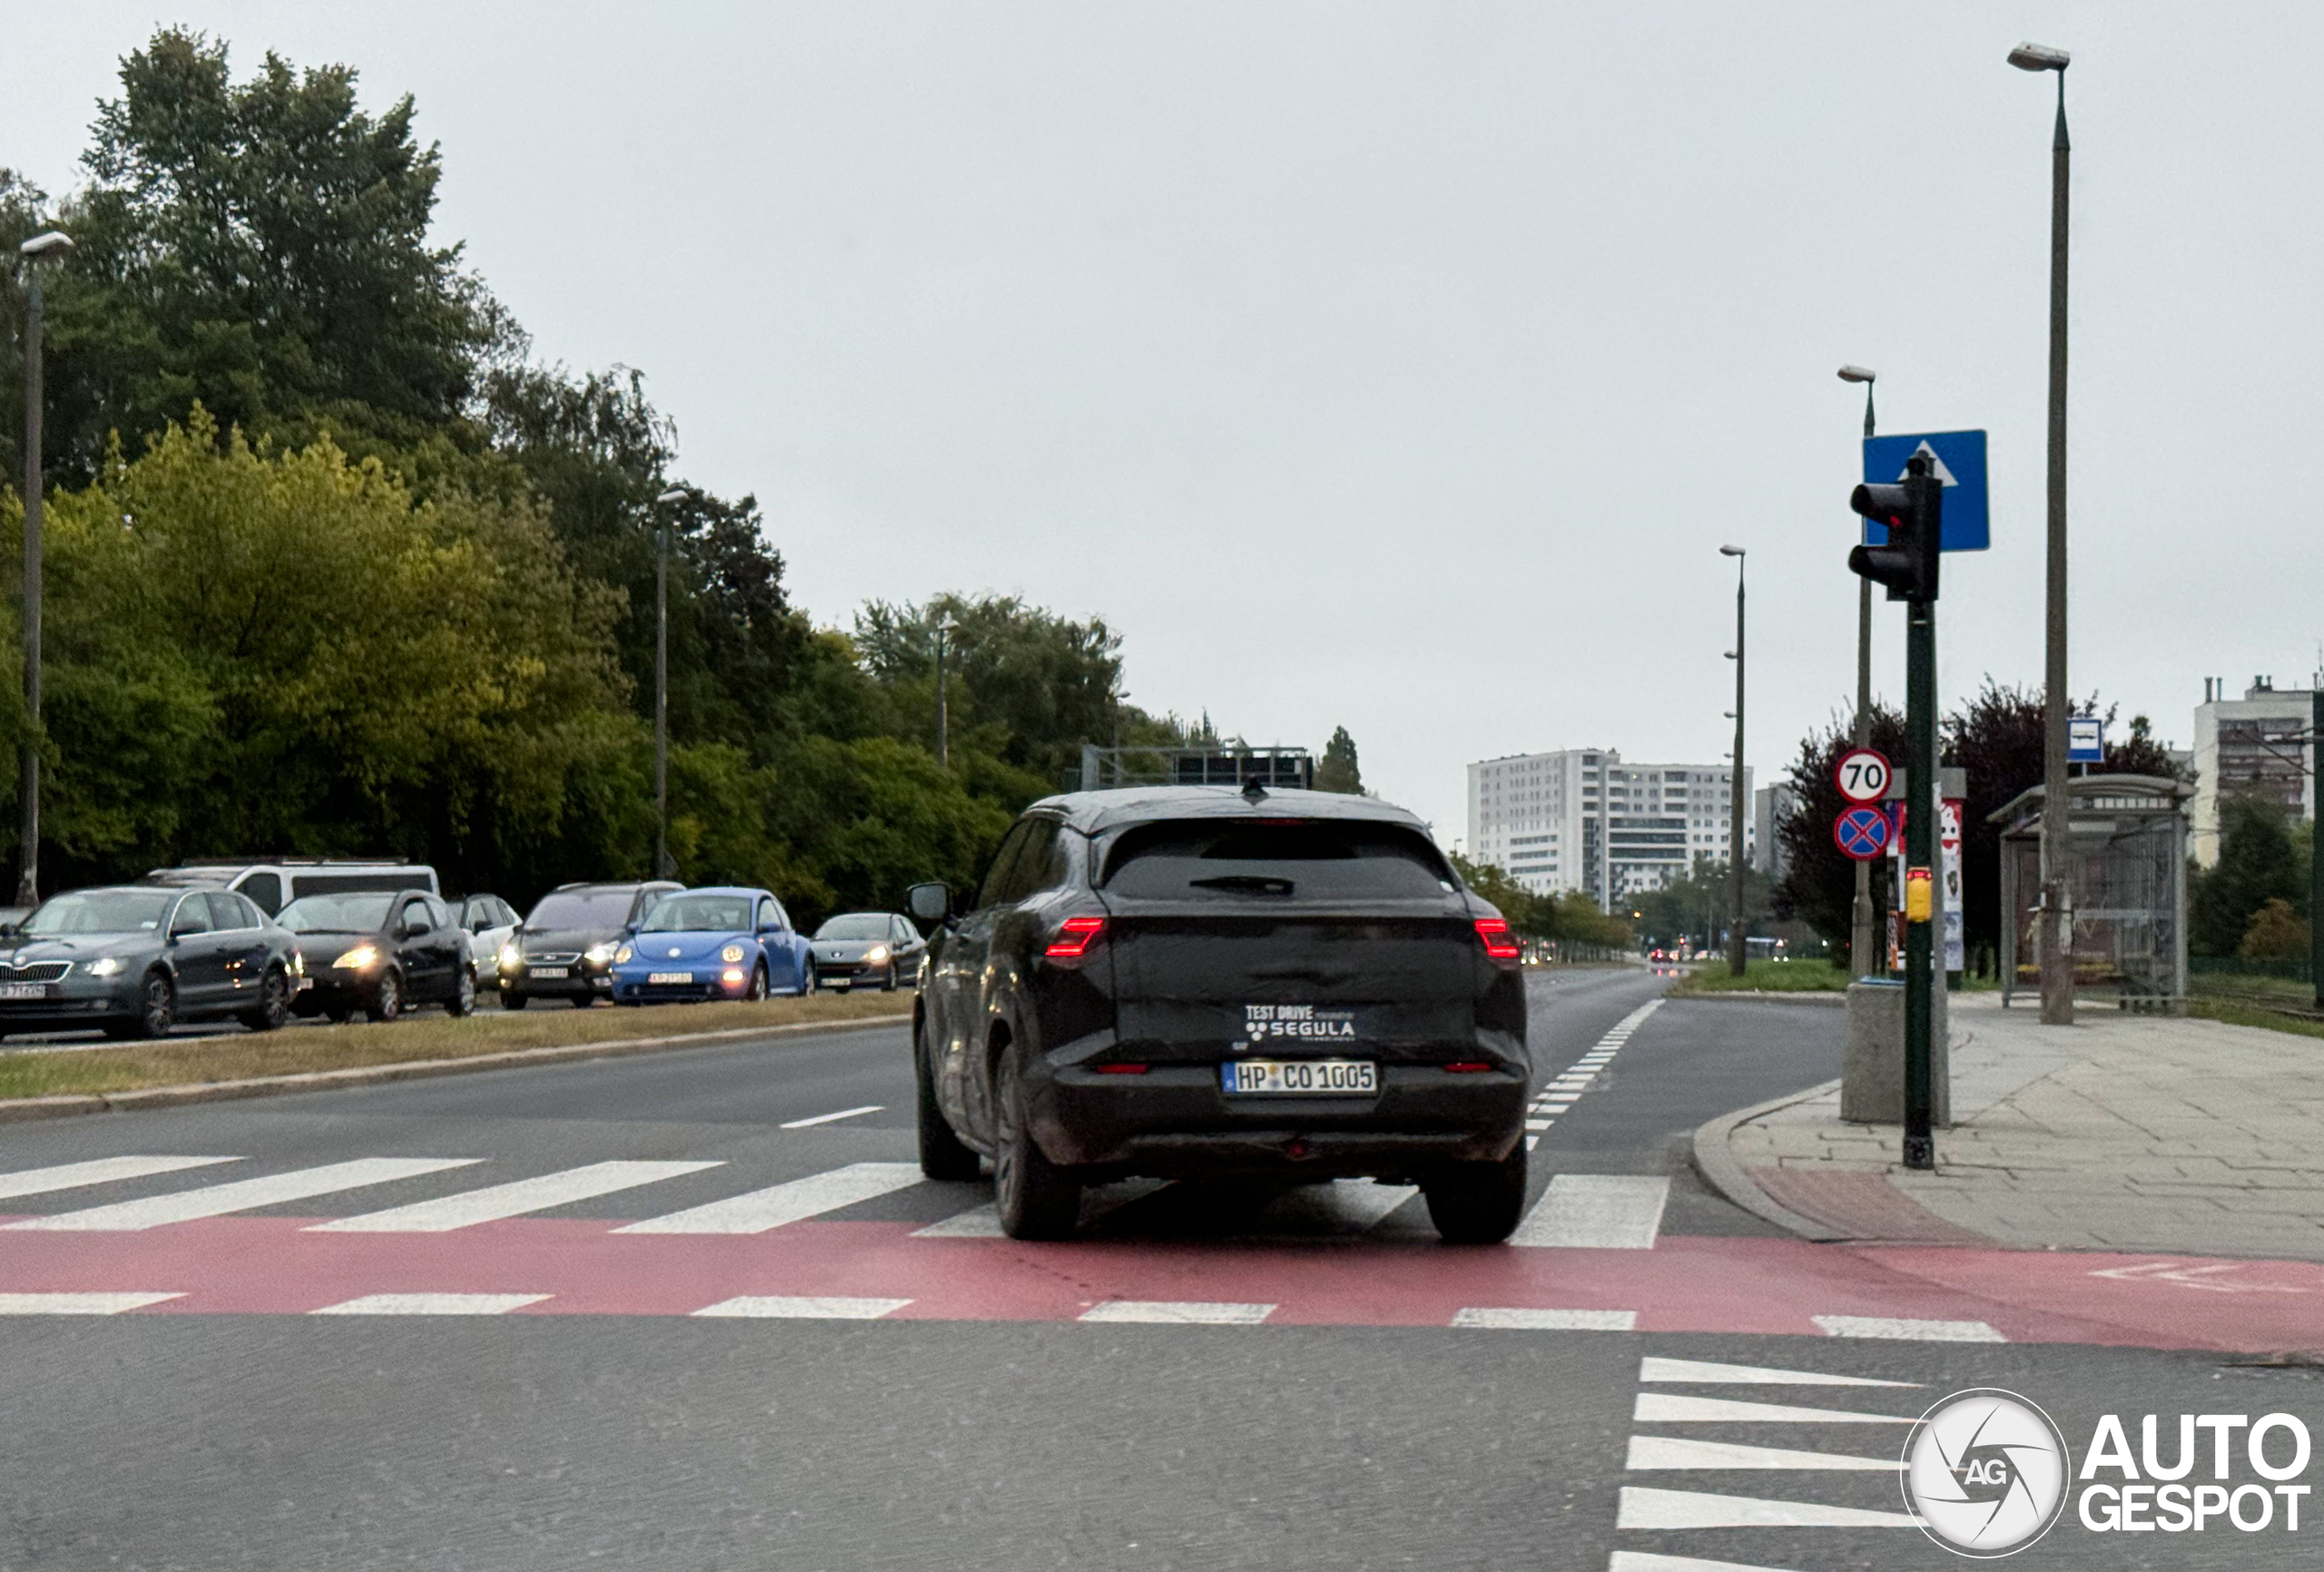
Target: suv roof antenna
<point>1253,790</point>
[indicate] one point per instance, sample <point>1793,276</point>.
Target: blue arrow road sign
<point>1958,459</point>
<point>1862,833</point>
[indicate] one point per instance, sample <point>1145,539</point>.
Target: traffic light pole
<point>1920,845</point>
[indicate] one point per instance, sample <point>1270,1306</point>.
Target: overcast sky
<point>1401,366</point>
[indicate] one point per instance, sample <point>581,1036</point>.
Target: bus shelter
<point>2129,891</point>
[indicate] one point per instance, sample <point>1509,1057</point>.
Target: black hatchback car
<point>383,954</point>
<point>1192,981</point>
<point>566,946</point>
<point>136,960</point>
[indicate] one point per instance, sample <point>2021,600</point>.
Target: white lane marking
<point>1367,1203</point>
<point>494,1202</point>
<point>1596,1212</point>
<point>1178,1313</point>
<point>245,1194</point>
<point>977,1222</point>
<point>78,1304</point>
<point>95,1171</point>
<point>1654,1369</point>
<point>1884,1326</point>
<point>790,1307</point>
<point>1538,1123</point>
<point>1686,1452</point>
<point>1642,1508</point>
<point>431,1304</point>
<point>830,1118</point>
<point>759,1210</point>
<point>1648,1561</point>
<point>1560,1103</point>
<point>1532,1142</point>
<point>1676,1408</point>
<point>1515,1318</point>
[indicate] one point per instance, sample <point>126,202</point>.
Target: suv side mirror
<point>418,929</point>
<point>929,902</point>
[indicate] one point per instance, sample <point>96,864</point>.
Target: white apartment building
<point>1580,819</point>
<point>2257,745</point>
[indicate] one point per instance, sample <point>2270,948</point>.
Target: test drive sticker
<point>1985,1472</point>
<point>1293,1023</point>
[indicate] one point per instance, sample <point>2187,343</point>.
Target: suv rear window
<point>1297,858</point>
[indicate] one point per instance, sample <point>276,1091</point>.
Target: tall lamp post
<point>2057,844</point>
<point>944,628</point>
<point>1737,951</point>
<point>662,680</point>
<point>1863,958</point>
<point>42,248</point>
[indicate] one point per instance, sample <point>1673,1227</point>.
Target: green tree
<point>2257,864</point>
<point>1337,771</point>
<point>2275,933</point>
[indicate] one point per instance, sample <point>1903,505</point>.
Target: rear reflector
<point>1074,937</point>
<point>1119,1069</point>
<point>1468,1068</point>
<point>1499,943</point>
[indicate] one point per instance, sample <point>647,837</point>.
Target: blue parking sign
<point>1955,458</point>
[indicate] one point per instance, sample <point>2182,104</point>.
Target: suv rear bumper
<point>1176,1121</point>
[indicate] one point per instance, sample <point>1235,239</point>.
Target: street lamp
<point>1738,953</point>
<point>52,245</point>
<point>944,718</point>
<point>1860,936</point>
<point>2057,846</point>
<point>662,680</point>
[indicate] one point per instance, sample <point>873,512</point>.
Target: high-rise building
<point>2255,746</point>
<point>1580,819</point>
<point>1771,806</point>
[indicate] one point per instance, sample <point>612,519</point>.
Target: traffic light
<point>1912,512</point>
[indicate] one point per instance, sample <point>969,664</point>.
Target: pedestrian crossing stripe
<point>1654,1368</point>
<point>1644,1507</point>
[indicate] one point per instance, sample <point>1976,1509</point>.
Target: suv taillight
<point>1074,937</point>
<point>1498,942</point>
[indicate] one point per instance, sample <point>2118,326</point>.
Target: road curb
<point>1715,1161</point>
<point>1764,996</point>
<point>17,1109</point>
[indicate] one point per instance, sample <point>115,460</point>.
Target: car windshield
<point>581,908</point>
<point>348,911</point>
<point>101,911</point>
<point>700,914</point>
<point>855,925</point>
<point>1307,859</point>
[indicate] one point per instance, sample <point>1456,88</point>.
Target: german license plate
<point>548,973</point>
<point>1300,1077</point>
<point>669,977</point>
<point>24,990</point>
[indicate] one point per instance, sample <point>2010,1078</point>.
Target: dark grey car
<point>867,950</point>
<point>135,960</point>
<point>564,948</point>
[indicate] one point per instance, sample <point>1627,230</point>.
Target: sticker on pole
<point>1862,833</point>
<point>1862,775</point>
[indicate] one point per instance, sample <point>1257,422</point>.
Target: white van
<point>274,885</point>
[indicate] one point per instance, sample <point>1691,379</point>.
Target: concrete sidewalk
<point>2125,1133</point>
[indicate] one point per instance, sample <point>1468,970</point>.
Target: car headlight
<point>104,966</point>
<point>599,954</point>
<point>362,957</point>
<point>623,954</point>
<point>731,953</point>
<point>511,957</point>
<point>875,955</point>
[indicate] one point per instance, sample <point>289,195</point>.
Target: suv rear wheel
<point>1477,1203</point>
<point>1036,1198</point>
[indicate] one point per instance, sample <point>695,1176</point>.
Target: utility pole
<point>1863,958</point>
<point>943,717</point>
<point>2316,864</point>
<point>2058,835</point>
<point>1739,954</point>
<point>661,681</point>
<point>54,244</point>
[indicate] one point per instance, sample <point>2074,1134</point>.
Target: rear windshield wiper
<point>1254,883</point>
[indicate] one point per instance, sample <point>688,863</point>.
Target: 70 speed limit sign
<point>1862,775</point>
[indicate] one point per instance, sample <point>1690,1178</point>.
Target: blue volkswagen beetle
<point>724,942</point>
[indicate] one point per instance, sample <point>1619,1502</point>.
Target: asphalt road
<point>978,1423</point>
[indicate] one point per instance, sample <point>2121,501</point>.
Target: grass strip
<point>1766,977</point>
<point>302,1050</point>
<point>2237,1013</point>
